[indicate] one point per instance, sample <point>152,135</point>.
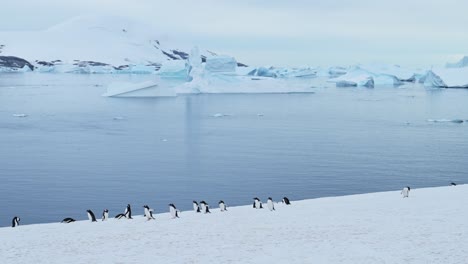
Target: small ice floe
<point>445,120</point>
<point>259,114</point>
<point>20,115</point>
<point>220,115</point>
<point>117,118</point>
<point>164,140</point>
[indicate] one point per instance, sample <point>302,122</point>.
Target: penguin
<point>15,221</point>
<point>405,191</point>
<point>286,201</point>
<point>222,206</point>
<point>148,212</point>
<point>205,207</point>
<point>120,216</point>
<point>91,216</point>
<point>270,204</point>
<point>196,207</point>
<point>257,203</point>
<point>68,220</point>
<point>105,215</point>
<point>453,184</point>
<point>173,210</point>
<point>128,212</point>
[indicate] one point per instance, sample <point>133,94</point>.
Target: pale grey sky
<point>274,32</point>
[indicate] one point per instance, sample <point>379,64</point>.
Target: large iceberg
<point>447,78</point>
<point>357,76</point>
<point>220,63</point>
<point>460,64</point>
<point>177,69</point>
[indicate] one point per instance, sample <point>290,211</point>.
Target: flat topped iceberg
<point>177,69</point>
<point>221,64</point>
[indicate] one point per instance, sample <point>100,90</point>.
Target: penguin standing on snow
<point>91,216</point>
<point>196,207</point>
<point>286,201</point>
<point>257,203</point>
<point>128,212</point>
<point>405,191</point>
<point>148,212</point>
<point>270,204</point>
<point>105,215</point>
<point>15,221</point>
<point>205,207</point>
<point>222,206</point>
<point>68,220</point>
<point>173,210</point>
<point>453,184</point>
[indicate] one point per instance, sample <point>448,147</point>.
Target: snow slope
<point>428,227</point>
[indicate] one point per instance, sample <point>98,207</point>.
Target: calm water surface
<point>77,150</point>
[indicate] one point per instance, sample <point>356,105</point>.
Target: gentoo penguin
<point>270,204</point>
<point>105,215</point>
<point>286,201</point>
<point>257,203</point>
<point>120,216</point>
<point>148,212</point>
<point>91,216</point>
<point>196,208</point>
<point>453,184</point>
<point>405,191</point>
<point>173,210</point>
<point>15,221</point>
<point>205,208</point>
<point>222,206</point>
<point>68,220</point>
<point>128,212</point>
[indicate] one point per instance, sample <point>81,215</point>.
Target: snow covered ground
<point>428,227</point>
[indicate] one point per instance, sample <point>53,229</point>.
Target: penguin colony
<point>201,207</point>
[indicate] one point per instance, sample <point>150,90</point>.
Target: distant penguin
<point>205,208</point>
<point>68,220</point>
<point>222,206</point>
<point>91,216</point>
<point>173,210</point>
<point>453,184</point>
<point>405,191</point>
<point>196,207</point>
<point>257,203</point>
<point>148,212</point>
<point>105,215</point>
<point>270,204</point>
<point>15,221</point>
<point>128,212</point>
<point>286,201</point>
<point>120,216</point>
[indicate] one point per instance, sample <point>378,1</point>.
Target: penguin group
<point>257,204</point>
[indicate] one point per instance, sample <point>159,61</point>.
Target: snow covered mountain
<point>90,44</point>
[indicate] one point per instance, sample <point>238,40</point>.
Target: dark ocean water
<point>77,150</point>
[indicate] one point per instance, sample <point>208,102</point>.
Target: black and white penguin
<point>148,212</point>
<point>453,184</point>
<point>222,206</point>
<point>68,220</point>
<point>270,204</point>
<point>128,212</point>
<point>286,201</point>
<point>105,215</point>
<point>405,191</point>
<point>257,203</point>
<point>91,216</point>
<point>15,221</point>
<point>120,216</point>
<point>196,207</point>
<point>205,208</point>
<point>173,210</point>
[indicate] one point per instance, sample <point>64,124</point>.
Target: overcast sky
<point>279,32</point>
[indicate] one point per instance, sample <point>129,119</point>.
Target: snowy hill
<point>428,227</point>
<point>93,44</point>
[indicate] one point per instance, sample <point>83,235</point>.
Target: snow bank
<point>427,227</point>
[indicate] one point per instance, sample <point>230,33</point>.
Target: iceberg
<point>176,69</point>
<point>221,63</point>
<point>143,89</point>
<point>460,64</point>
<point>447,78</point>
